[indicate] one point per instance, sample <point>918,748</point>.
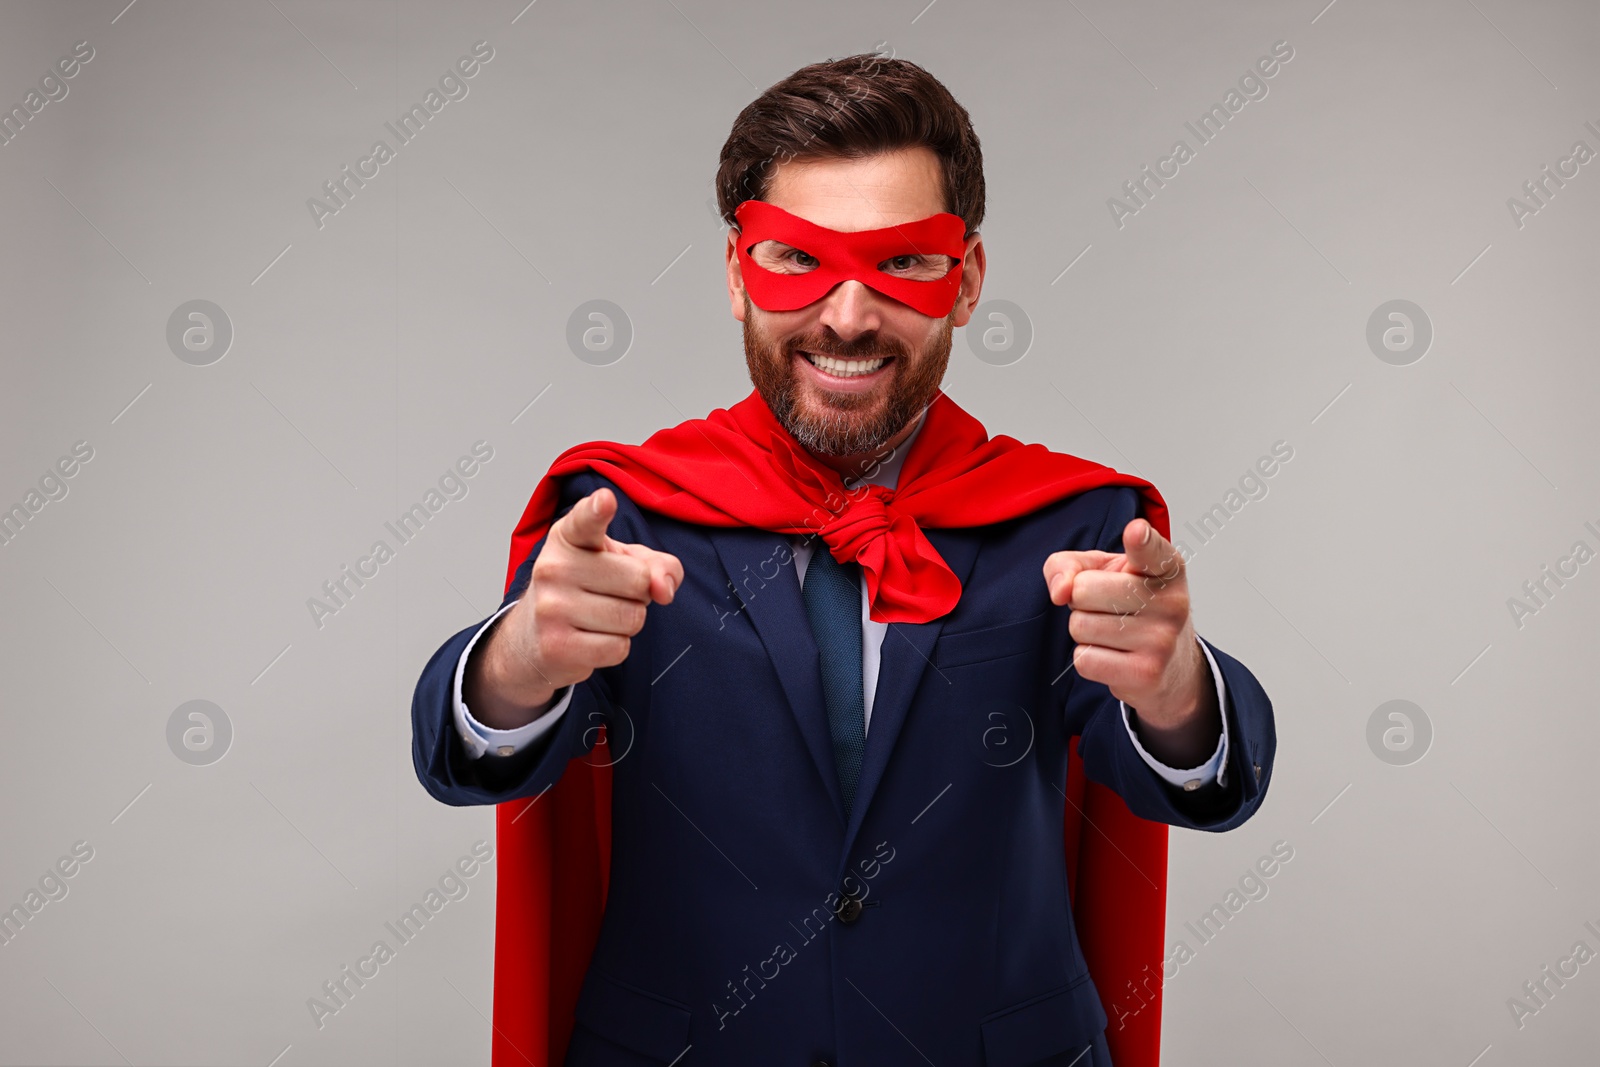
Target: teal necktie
<point>832,595</point>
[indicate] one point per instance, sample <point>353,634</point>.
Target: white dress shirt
<point>480,740</point>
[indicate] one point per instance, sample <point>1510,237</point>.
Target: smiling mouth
<point>845,368</point>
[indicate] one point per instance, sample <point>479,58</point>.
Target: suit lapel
<point>772,603</point>
<point>776,611</point>
<point>906,653</point>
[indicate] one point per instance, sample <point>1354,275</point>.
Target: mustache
<point>868,346</point>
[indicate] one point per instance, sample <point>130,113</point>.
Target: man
<point>827,842</point>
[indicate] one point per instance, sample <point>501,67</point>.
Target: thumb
<point>585,525</point>
<point>1149,553</point>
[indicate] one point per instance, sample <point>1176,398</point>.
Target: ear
<point>973,264</point>
<point>735,275</point>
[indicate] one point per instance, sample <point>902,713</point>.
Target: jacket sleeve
<point>438,751</point>
<point>1108,751</point>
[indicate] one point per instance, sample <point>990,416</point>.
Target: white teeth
<point>845,368</point>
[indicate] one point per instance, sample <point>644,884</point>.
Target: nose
<point>851,309</point>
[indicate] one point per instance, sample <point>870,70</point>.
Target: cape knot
<point>868,515</point>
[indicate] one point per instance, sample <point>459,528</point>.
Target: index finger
<point>1062,568</point>
<point>666,571</point>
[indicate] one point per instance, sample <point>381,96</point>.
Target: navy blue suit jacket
<point>731,848</point>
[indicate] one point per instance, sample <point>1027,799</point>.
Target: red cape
<point>738,467</point>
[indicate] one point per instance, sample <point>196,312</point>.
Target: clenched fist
<point>586,599</point>
<point>1130,620</point>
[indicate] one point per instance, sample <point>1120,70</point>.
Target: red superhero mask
<point>843,256</point>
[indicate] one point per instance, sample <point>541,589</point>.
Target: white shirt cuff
<point>478,739</point>
<point>1215,767</point>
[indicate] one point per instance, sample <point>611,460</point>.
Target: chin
<point>844,421</point>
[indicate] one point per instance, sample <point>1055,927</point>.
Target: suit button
<point>849,910</point>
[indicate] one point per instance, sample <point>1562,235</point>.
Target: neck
<point>858,464</point>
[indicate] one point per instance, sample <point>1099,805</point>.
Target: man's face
<point>881,361</point>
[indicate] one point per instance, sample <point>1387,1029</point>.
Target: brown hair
<point>851,108</point>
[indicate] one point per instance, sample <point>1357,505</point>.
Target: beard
<point>829,423</point>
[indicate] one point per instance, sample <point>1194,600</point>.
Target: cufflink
<point>1191,785</point>
<point>505,750</point>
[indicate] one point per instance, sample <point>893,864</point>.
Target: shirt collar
<point>887,473</point>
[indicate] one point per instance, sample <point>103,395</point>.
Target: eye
<point>783,259</point>
<point>919,268</point>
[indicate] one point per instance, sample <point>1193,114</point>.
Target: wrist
<point>1186,732</point>
<point>1186,744</point>
<point>496,685</point>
